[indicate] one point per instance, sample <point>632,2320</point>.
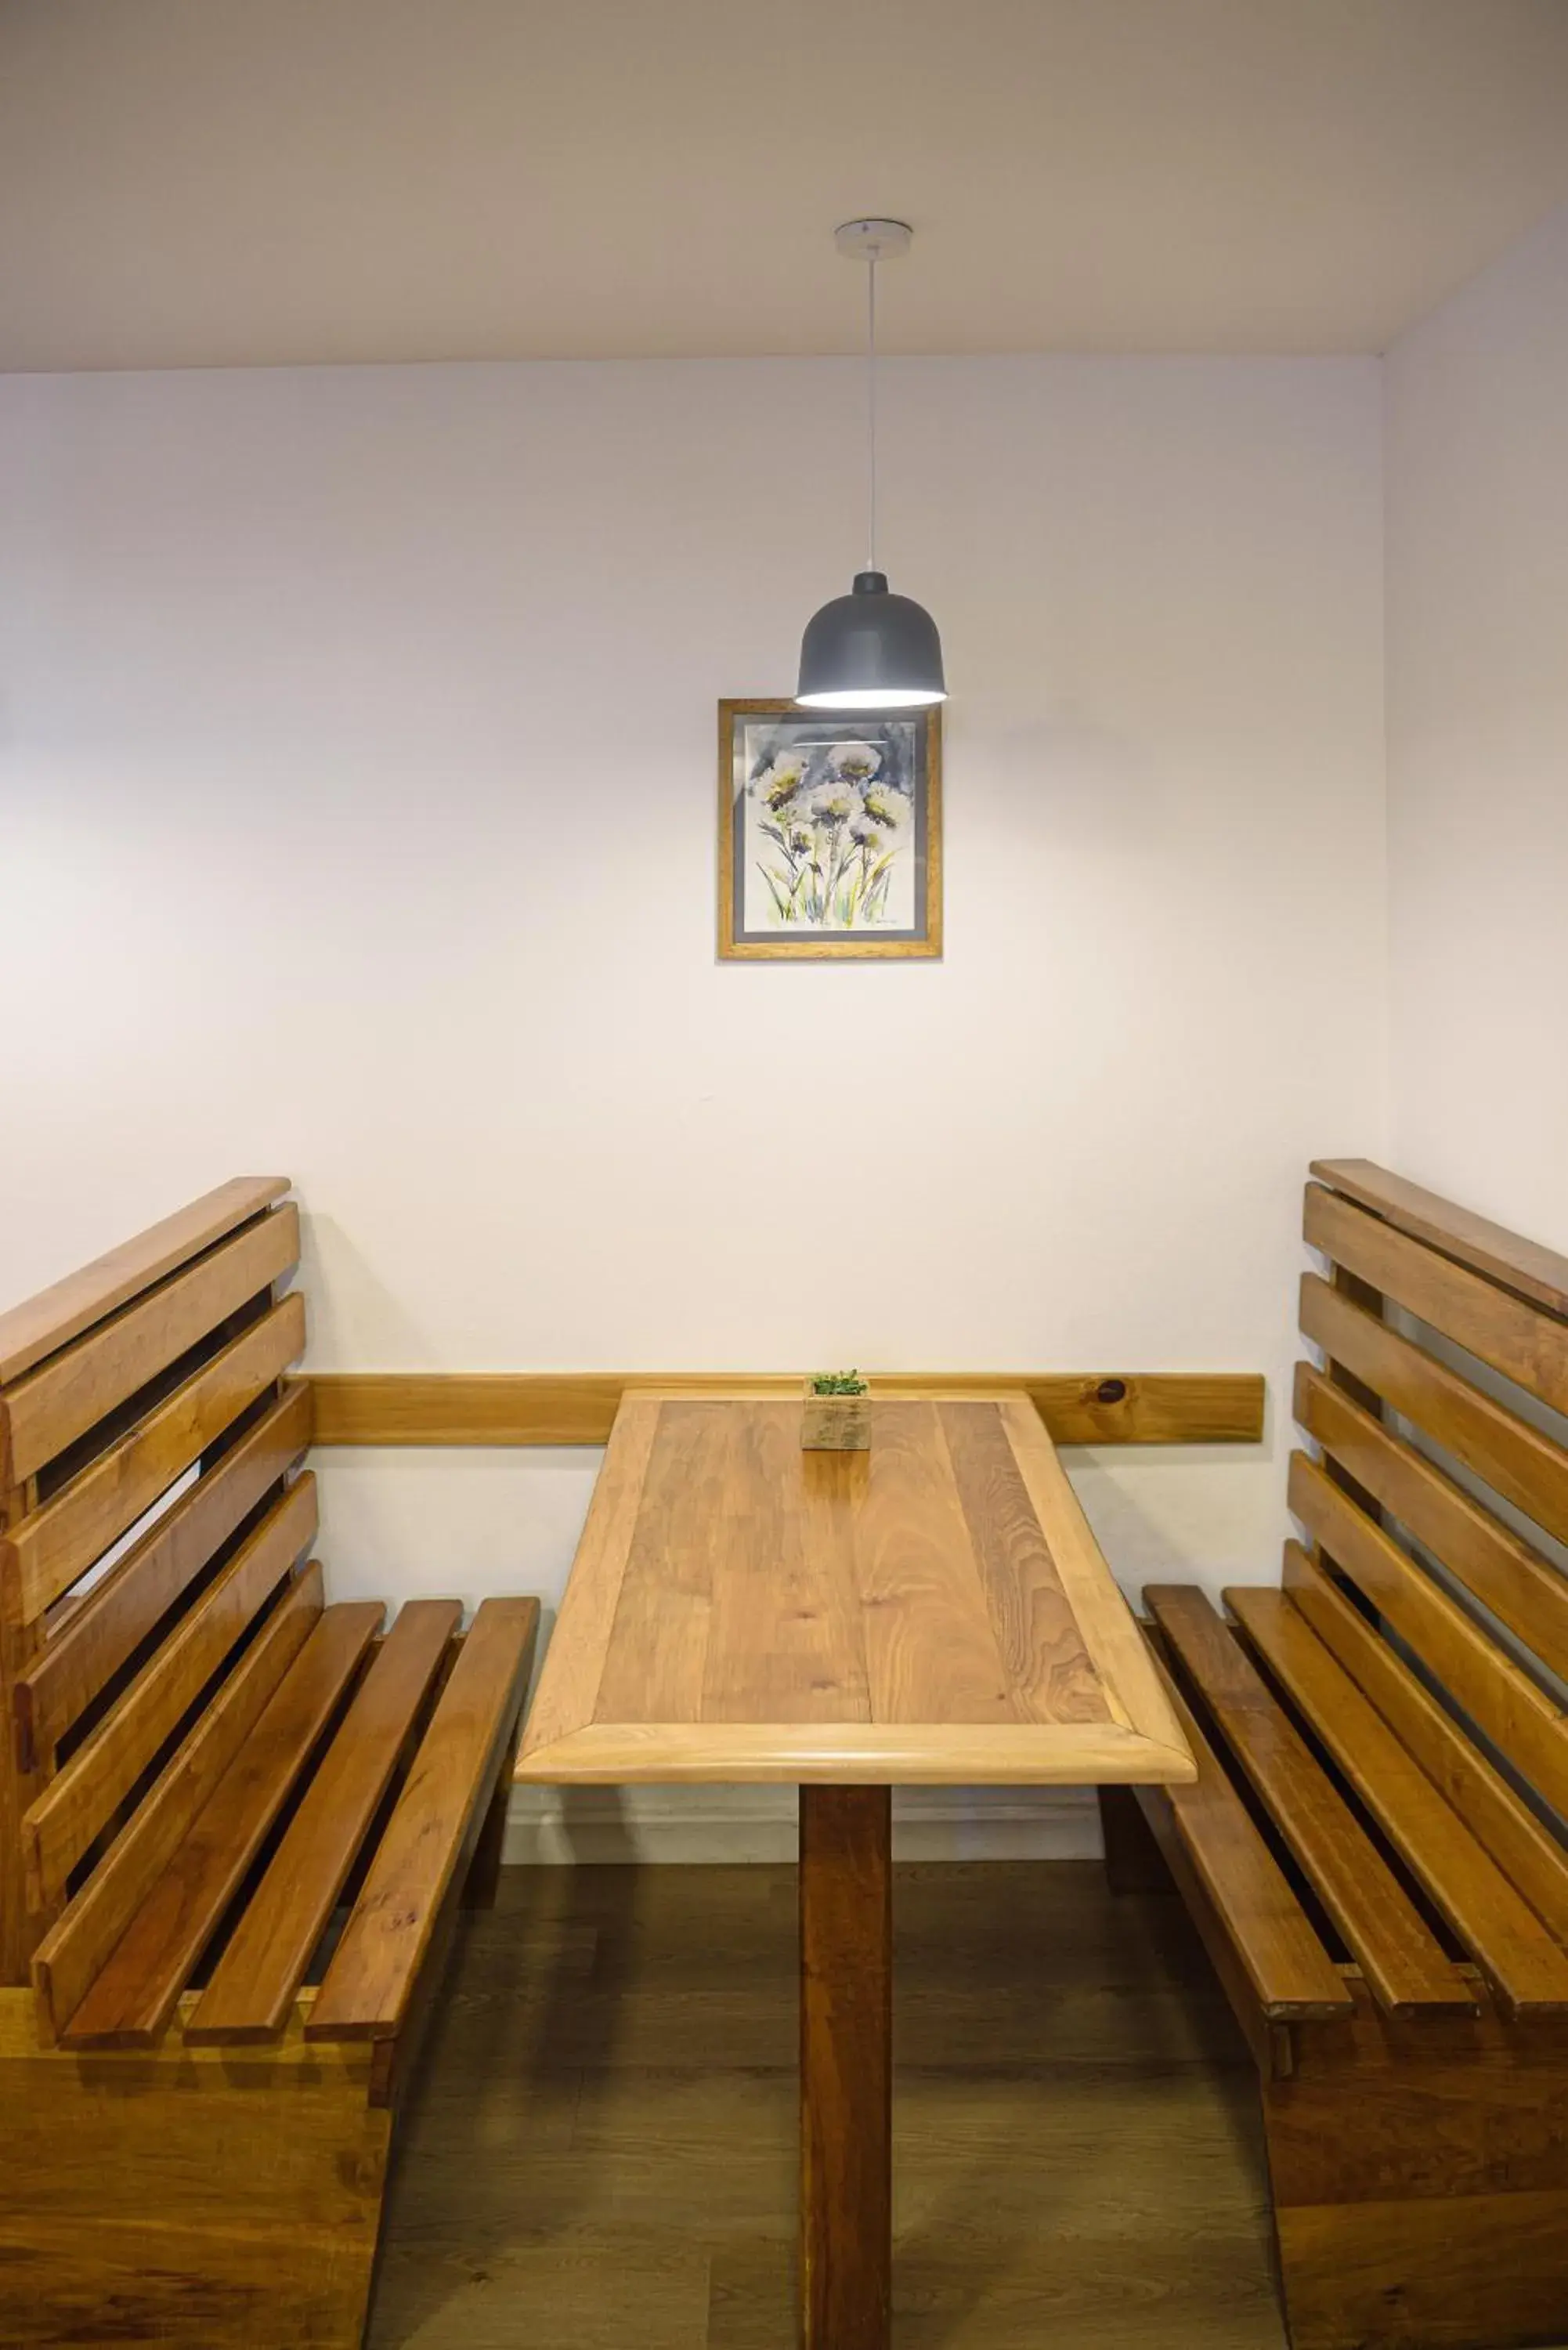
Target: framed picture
<point>830,831</point>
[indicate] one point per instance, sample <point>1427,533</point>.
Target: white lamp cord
<point>871,411</point>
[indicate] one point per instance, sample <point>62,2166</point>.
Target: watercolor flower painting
<point>828,829</point>
<point>827,849</point>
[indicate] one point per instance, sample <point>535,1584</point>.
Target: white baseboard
<point>550,1826</point>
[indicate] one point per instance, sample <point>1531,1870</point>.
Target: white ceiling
<point>230,183</point>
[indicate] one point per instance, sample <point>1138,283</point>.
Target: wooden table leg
<point>845,2067</point>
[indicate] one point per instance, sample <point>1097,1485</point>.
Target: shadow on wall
<point>1142,1549</point>
<point>349,1299</point>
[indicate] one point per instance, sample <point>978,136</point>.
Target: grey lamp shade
<point>870,650</point>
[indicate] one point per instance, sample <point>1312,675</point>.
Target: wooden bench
<point>235,1822</point>
<point>1374,1852</point>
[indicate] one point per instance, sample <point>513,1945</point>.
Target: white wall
<point>1477,739</point>
<point>358,814</point>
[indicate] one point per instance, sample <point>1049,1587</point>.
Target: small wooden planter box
<point>835,1423</point>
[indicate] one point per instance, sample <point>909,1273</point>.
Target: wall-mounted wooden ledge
<point>577,1407</point>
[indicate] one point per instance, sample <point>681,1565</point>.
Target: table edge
<point>865,1753</point>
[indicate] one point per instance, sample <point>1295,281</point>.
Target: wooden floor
<point>601,2151</point>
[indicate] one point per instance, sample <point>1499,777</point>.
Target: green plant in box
<point>837,1414</point>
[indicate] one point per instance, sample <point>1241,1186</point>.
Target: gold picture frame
<point>830,832</point>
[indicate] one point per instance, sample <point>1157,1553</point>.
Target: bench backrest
<point>153,1526</point>
<point>1437,1517</point>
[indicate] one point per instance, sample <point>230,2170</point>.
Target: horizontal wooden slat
<point>1490,1917</point>
<point>1514,1581</point>
<point>371,1980</point>
<point>76,1389</point>
<point>1290,1974</point>
<point>1515,1459</point>
<point>1526,1345</point>
<point>579,1407</point>
<point>1517,1716</point>
<point>129,2005</point>
<point>1270,2043</point>
<point>265,1963</point>
<point>83,1796</point>
<point>61,1313</point>
<point>1526,1849</point>
<point>1394,1947</point>
<point>46,1551</point>
<point>121,1609</point>
<point>82,1937</point>
<point>1523,1266</point>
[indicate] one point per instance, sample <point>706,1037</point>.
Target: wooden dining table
<point>934,1610</point>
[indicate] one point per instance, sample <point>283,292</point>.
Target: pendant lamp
<point>871,649</point>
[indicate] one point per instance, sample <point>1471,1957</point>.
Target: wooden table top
<point>933,1610</point>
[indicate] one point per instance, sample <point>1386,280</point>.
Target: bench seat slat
<point>1516,1459</point>
<point>121,1609</point>
<point>265,1963</point>
<point>132,1999</point>
<point>1526,1345</point>
<point>82,1796</point>
<point>1397,1953</point>
<point>79,1942</point>
<point>1526,1850</point>
<point>1505,1573</point>
<point>1293,1978</point>
<point>371,1981</point>
<point>58,1314</point>
<point>1491,1918</point>
<point>44,1553</point>
<point>69,1394</point>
